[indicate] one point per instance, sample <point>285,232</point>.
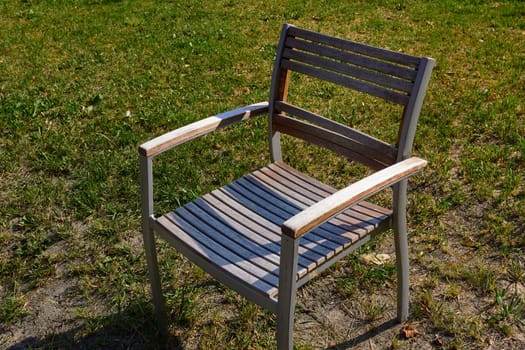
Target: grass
<point>83,82</point>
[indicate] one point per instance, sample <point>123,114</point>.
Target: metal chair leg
<point>287,292</point>
<point>401,246</point>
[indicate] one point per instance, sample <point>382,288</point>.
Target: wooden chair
<point>268,233</point>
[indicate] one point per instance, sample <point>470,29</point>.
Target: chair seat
<point>238,227</point>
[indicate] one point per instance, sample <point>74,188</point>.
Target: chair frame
<point>392,171</point>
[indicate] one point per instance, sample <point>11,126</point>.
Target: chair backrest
<point>392,76</point>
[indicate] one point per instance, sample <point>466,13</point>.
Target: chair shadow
<point>365,336</point>
<point>132,328</point>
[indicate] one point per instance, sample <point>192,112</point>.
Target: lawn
<point>84,82</point>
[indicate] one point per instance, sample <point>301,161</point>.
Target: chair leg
<point>401,246</point>
<point>154,279</point>
<point>287,292</point>
<point>285,322</point>
<point>146,186</point>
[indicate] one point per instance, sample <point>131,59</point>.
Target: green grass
<point>83,83</point>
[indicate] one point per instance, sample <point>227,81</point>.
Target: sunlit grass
<point>83,83</point>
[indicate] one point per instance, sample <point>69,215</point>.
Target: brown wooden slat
<point>229,249</point>
<point>327,190</point>
<point>185,233</point>
<point>238,233</point>
<point>313,241</point>
<point>238,226</point>
<point>384,80</point>
<point>352,222</point>
<point>351,195</point>
<point>365,223</point>
<point>273,229</point>
<point>379,65</point>
<point>355,84</point>
<point>253,232</point>
<point>373,147</point>
<point>319,236</point>
<point>349,45</point>
<point>302,197</point>
<point>254,204</point>
<point>327,139</point>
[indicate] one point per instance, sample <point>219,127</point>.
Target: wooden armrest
<point>176,137</point>
<point>332,205</point>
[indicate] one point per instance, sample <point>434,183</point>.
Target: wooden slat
<point>252,229</point>
<point>349,45</point>
<point>355,84</point>
<point>199,128</point>
<point>237,227</point>
<point>272,205</point>
<point>322,137</point>
<point>325,235</point>
<point>272,228</point>
<point>330,206</point>
<point>352,225</point>
<point>238,233</point>
<point>369,63</point>
<point>216,240</point>
<point>327,190</point>
<point>359,223</point>
<point>300,197</point>
<point>373,77</point>
<point>184,234</point>
<point>374,148</point>
<point>254,204</point>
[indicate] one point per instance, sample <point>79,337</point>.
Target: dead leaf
<point>376,259</point>
<point>408,332</point>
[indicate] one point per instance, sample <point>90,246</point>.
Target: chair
<point>268,233</point>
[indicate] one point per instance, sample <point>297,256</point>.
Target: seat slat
<point>227,212</point>
<point>254,204</point>
<point>314,241</point>
<point>346,223</point>
<point>324,236</point>
<point>297,195</point>
<point>359,226</point>
<point>184,233</point>
<point>327,190</point>
<point>229,249</point>
<point>363,214</point>
<point>237,227</point>
<point>238,233</point>
<point>311,255</point>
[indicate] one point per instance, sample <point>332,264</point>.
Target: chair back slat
<point>348,45</point>
<point>355,141</point>
<point>344,62</point>
<point>324,138</point>
<point>389,75</point>
<point>334,77</point>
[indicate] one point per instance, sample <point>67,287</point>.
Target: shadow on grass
<point>365,336</point>
<point>132,328</point>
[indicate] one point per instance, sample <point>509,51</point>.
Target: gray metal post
<point>287,292</point>
<point>146,182</point>
<point>401,246</point>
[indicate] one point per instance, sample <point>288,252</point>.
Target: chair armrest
<point>332,205</point>
<point>178,136</point>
